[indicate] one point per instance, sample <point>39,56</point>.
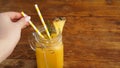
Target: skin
<point>11,24</point>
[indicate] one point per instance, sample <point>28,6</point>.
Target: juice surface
<point>50,57</point>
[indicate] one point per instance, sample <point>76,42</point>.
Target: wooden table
<point>91,34</point>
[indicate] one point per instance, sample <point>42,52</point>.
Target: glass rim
<point>41,29</point>
<point>36,38</point>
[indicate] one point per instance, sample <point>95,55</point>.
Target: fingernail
<point>27,18</point>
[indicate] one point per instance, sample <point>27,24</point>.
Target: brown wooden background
<point>91,34</point>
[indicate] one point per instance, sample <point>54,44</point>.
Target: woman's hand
<point>11,24</point>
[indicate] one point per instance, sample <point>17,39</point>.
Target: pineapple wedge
<point>59,24</point>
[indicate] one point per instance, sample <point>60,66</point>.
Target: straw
<point>33,26</point>
<point>43,22</point>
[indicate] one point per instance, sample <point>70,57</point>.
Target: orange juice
<point>50,56</point>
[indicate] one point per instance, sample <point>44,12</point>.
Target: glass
<point>49,52</point>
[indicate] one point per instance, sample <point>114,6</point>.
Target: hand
<point>11,24</point>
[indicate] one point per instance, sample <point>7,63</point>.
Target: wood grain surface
<point>91,34</point>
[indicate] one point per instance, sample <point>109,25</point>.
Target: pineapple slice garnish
<point>59,24</point>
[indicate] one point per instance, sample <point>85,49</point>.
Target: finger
<point>23,22</point>
<point>13,15</point>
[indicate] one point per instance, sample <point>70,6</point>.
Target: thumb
<point>23,22</point>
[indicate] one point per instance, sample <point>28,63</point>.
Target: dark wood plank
<point>18,63</point>
<point>23,63</point>
<point>65,7</point>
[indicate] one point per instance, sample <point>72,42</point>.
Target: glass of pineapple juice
<point>49,52</point>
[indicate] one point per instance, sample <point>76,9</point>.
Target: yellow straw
<point>33,26</point>
<point>43,22</point>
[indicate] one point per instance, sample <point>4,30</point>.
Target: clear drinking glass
<point>49,52</point>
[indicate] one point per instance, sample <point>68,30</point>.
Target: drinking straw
<point>42,20</point>
<point>34,27</point>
